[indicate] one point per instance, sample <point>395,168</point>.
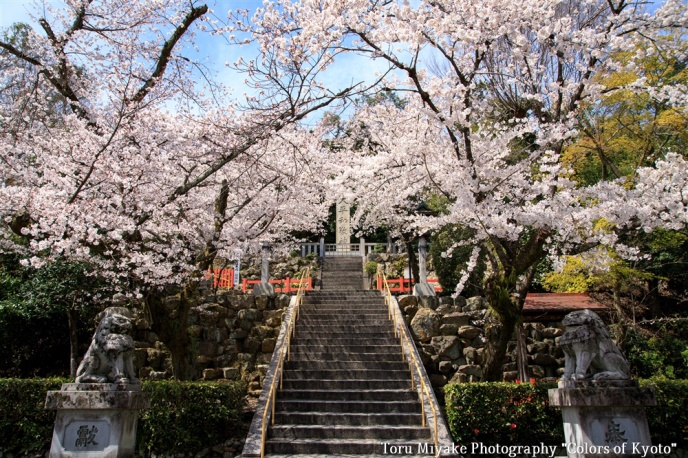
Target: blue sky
<point>214,51</point>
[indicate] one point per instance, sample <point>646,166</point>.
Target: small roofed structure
<point>554,306</point>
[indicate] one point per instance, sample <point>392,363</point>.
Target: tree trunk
<point>414,269</point>
<point>498,337</point>
<point>72,318</point>
<point>655,300</point>
<point>521,354</point>
<point>170,320</point>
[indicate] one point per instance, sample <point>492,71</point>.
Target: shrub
<point>502,413</point>
<point>183,417</point>
<point>25,426</point>
<point>190,416</point>
<point>663,352</point>
<point>370,268</point>
<point>487,413</point>
<point>668,421</point>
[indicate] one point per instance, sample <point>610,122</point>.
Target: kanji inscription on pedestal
<point>87,436</point>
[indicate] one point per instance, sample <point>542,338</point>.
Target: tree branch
<point>166,52</point>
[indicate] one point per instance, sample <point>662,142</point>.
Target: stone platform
<point>95,420</point>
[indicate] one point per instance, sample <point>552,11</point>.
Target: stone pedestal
<point>603,418</point>
<point>96,420</point>
<point>426,295</point>
<point>264,289</point>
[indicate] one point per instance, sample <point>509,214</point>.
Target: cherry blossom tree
<point>493,93</point>
<point>120,151</point>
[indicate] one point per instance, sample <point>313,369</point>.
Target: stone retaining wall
<point>235,333</point>
<point>234,337</point>
<point>451,337</point>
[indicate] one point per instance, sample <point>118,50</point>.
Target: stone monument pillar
<point>603,410</point>
<point>422,259</point>
<point>343,228</point>
<point>264,288</point>
<point>423,289</point>
<point>97,415</point>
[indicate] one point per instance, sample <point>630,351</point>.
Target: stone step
<point>342,302</point>
<point>315,405</point>
<point>301,365</point>
<point>348,419</point>
<point>375,304</point>
<point>337,287</point>
<point>360,293</point>
<point>344,338</point>
<point>339,310</point>
<point>349,395</point>
<point>345,384</point>
<point>358,374</point>
<point>349,350</point>
<point>344,328</point>
<point>366,447</point>
<point>328,354</point>
<point>349,264</point>
<point>319,315</point>
<point>325,319</point>
<point>342,275</point>
<point>301,455</point>
<point>382,432</point>
<point>349,341</point>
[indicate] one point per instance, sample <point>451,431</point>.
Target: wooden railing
<point>285,353</point>
<point>414,365</point>
<point>404,284</point>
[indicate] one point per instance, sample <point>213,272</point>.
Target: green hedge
<point>183,417</point>
<point>25,426</point>
<point>669,420</point>
<point>190,416</point>
<point>502,413</point>
<point>507,413</point>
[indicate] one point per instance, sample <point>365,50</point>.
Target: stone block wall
<point>234,335</point>
<point>451,336</point>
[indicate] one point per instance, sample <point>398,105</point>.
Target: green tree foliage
<point>620,133</point>
<point>44,313</point>
<point>627,129</point>
<point>658,349</point>
<point>451,266</point>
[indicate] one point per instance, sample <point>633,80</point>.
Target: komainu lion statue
<point>109,359</point>
<point>590,352</point>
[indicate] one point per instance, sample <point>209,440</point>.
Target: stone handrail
<point>255,440</point>
<point>443,443</point>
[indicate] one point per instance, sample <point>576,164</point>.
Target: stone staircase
<point>342,273</point>
<point>346,389</point>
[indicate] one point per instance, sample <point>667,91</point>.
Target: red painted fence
<point>288,285</point>
<point>403,284</point>
<point>224,278</point>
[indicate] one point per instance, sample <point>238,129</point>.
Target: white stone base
<point>95,420</point>
<point>603,420</point>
